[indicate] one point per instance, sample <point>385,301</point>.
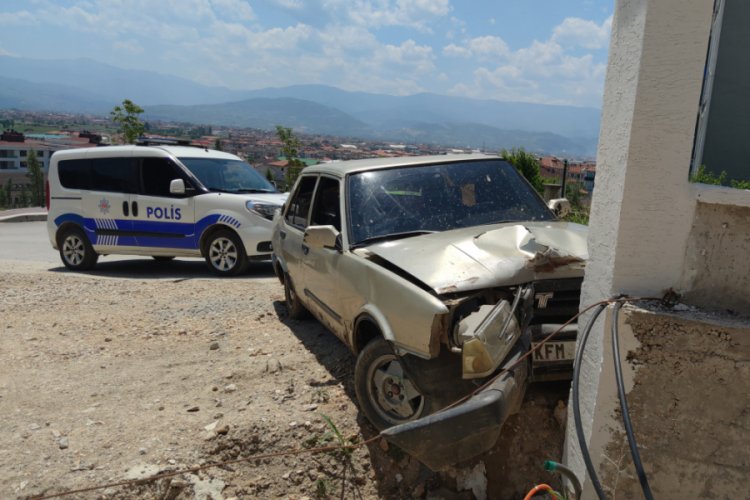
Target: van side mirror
<point>560,206</point>
<point>322,237</point>
<point>177,186</point>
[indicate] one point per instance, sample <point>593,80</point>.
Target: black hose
<point>624,406</point>
<point>576,403</point>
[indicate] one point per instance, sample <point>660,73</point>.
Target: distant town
<point>45,133</point>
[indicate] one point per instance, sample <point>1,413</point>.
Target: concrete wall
<point>651,229</point>
<point>687,380</point>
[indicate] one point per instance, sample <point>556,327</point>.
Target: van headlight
<point>264,209</point>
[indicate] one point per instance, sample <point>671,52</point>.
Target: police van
<point>159,201</point>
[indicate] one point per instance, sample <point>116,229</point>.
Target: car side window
<point>299,205</point>
<point>157,173</point>
<point>326,210</point>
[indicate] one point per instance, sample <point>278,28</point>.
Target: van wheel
<point>75,250</point>
<point>385,393</point>
<point>225,254</point>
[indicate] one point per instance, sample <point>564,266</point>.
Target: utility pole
<point>564,177</point>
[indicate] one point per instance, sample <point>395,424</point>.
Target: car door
<point>292,230</point>
<point>161,220</point>
<point>321,265</point>
<point>106,206</point>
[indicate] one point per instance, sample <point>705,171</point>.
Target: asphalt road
<point>26,241</point>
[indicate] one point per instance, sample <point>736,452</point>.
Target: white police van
<point>160,201</point>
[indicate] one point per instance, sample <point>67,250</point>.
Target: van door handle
<point>135,209</point>
<point>125,208</point>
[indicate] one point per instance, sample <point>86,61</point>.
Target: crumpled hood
<point>489,256</point>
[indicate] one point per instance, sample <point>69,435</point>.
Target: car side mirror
<point>177,186</point>
<point>560,206</point>
<point>322,237</point>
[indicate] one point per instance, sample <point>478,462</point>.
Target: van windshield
<point>227,176</point>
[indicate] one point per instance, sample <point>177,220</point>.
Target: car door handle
<point>282,234</point>
<point>135,209</point>
<point>125,208</point>
<point>305,249</point>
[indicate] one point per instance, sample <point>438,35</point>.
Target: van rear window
<point>75,174</point>
<point>119,175</point>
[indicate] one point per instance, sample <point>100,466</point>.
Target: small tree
<point>527,164</point>
<point>290,149</point>
<point>127,118</point>
<point>217,145</point>
<point>36,176</point>
<point>9,193</point>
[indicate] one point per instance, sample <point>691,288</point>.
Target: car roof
<point>135,150</point>
<point>342,168</point>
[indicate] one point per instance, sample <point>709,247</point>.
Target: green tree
<point>705,177</point>
<point>3,200</point>
<point>126,116</point>
<point>290,149</point>
<point>35,173</point>
<point>217,145</point>
<point>527,164</point>
<point>9,193</point>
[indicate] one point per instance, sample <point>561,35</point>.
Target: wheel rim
<point>223,254</point>
<point>393,395</point>
<point>73,250</point>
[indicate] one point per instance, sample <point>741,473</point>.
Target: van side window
<point>119,175</point>
<point>157,173</point>
<point>299,205</point>
<point>75,174</point>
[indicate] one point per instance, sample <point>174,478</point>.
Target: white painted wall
<point>643,205</point>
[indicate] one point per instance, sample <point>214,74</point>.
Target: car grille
<point>556,301</point>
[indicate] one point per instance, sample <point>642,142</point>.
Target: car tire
<point>76,251</point>
<point>225,254</point>
<point>163,258</point>
<point>294,307</point>
<point>386,395</point>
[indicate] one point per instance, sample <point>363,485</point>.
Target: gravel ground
<point>108,377</point>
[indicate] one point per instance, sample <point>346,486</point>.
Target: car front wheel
<point>386,395</point>
<point>225,254</point>
<point>294,307</point>
<point>75,250</point>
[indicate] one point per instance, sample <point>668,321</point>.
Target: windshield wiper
<point>390,236</point>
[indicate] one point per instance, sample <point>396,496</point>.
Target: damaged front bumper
<point>470,428</point>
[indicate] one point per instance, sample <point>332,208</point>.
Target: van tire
<point>76,251</point>
<point>225,254</point>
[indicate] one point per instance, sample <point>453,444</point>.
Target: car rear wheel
<point>75,250</point>
<point>386,395</point>
<point>294,307</point>
<point>225,253</point>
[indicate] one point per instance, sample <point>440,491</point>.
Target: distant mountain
<point>84,85</point>
<point>263,113</point>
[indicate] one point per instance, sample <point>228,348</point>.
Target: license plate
<point>555,351</point>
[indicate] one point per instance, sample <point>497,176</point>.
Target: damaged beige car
<point>437,272</point>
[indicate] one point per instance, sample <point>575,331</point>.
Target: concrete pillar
<point>643,205</point>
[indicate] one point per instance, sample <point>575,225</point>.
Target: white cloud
<point>551,71</point>
<point>16,18</point>
<point>378,13</point>
<point>576,32</point>
<point>233,9</point>
<point>291,4</point>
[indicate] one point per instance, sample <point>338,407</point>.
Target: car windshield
<point>407,201</point>
<point>228,176</point>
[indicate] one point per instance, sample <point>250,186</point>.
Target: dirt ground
<point>126,372</point>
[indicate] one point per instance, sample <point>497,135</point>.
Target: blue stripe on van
<point>170,234</point>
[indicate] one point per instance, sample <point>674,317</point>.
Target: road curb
<point>24,218</point>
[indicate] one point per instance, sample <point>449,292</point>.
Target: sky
<point>542,51</point>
